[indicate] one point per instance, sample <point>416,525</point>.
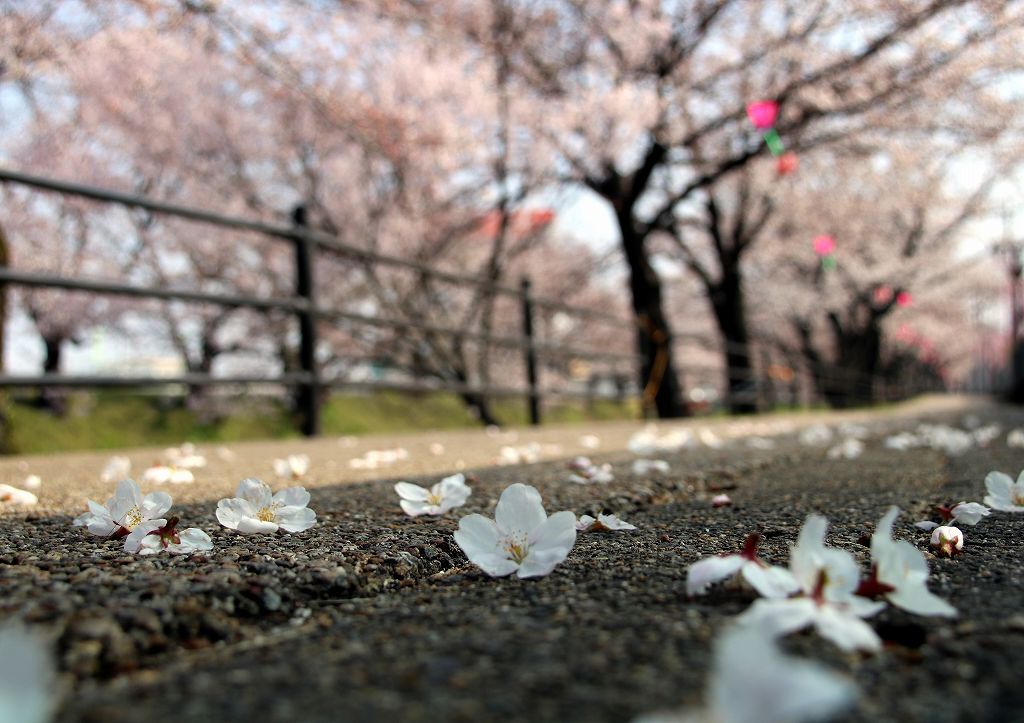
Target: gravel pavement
<point>372,615</point>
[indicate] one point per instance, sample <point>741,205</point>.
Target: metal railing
<point>755,385</point>
<point>308,244</point>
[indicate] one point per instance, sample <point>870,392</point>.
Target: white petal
<point>862,607</point>
<point>453,499</point>
<point>584,523</point>
<point>255,491</point>
<point>519,509</point>
<point>847,631</point>
<point>704,573</point>
<point>478,537</point>
<point>550,544</point>
<point>883,531</point>
<point>127,496</point>
<point>970,513</point>
<point>291,497</point>
<point>754,681</point>
<point>409,491</point>
<point>295,518</point>
<point>253,526</point>
<point>192,540</point>
<point>997,503</point>
<point>231,511</point>
<point>181,476</point>
<point>453,492</point>
<point>133,542</point>
<point>841,572</point>
<point>157,475</point>
<point>454,483</point>
<point>611,522</point>
<point>415,508</point>
<point>805,558</point>
<point>13,496</point>
<point>29,689</point>
<point>779,617</point>
<point>918,599</point>
<point>155,504</point>
<point>926,525</point>
<point>1000,488</point>
<point>769,581</point>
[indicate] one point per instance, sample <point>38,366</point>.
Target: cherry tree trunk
<point>858,360</point>
<point>730,316</point>
<point>53,399</point>
<point>658,379</point>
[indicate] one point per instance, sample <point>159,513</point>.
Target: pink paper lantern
<point>904,299</point>
<point>824,245</point>
<point>762,113</point>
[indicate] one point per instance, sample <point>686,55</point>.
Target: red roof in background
<point>520,223</point>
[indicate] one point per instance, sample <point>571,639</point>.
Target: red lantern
<point>788,162</point>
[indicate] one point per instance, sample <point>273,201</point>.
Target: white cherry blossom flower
<point>968,513</point>
<point>650,466</point>
<point>1004,494</point>
<point>984,436</point>
<point>769,581</point>
<point>375,458</point>
<point>32,482</point>
<point>899,573</point>
<point>649,442</point>
<point>162,474</point>
<point>294,466</point>
<point>856,431</point>
<point>28,677</point>
<point>827,578</point>
<point>603,523</point>
<point>521,538</point>
<point>902,442</point>
<point>1015,438</point>
<point>184,457</point>
<point>816,435</point>
<point>586,472</point>
<point>116,469</point>
<point>590,441</point>
<point>449,493</point>
<point>945,438</point>
<point>721,500</point>
<point>13,496</point>
<point>256,509</point>
<point>849,448</point>
<point>947,540</point>
<point>709,439</point>
<point>753,681</point>
<point>436,449</point>
<point>125,511</point>
<point>154,536</point>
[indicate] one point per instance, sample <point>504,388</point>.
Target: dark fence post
<point>309,392</point>
<point>530,352</point>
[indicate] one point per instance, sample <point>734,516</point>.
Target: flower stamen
<point>517,547</point>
